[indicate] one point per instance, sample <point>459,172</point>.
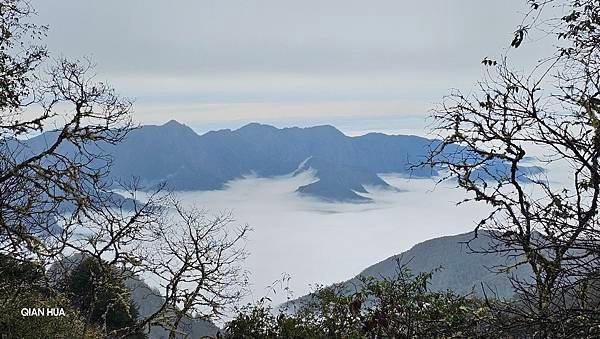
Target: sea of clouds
<point>316,242</point>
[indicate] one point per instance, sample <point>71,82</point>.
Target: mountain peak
<point>256,126</point>
<point>173,123</point>
<point>174,126</point>
<point>325,129</point>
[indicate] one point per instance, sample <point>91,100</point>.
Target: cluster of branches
<point>550,115</point>
<point>57,198</point>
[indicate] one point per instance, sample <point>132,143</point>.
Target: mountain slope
<point>346,181</point>
<point>457,267</point>
<point>461,270</point>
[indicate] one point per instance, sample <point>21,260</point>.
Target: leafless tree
<point>57,198</point>
<point>549,115</point>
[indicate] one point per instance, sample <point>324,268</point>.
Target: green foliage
<point>93,296</point>
<point>98,290</point>
<point>22,285</point>
<point>403,307</point>
<point>398,307</point>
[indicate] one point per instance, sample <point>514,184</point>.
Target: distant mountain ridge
<point>456,266</point>
<point>461,268</point>
<point>344,166</point>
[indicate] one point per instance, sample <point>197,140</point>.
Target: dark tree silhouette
<point>56,198</point>
<point>99,291</point>
<point>550,115</point>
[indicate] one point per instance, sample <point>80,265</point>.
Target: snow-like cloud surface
<point>316,242</point>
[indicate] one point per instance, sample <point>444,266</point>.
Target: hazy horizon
<point>224,64</point>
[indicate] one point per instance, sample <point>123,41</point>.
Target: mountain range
<point>344,166</point>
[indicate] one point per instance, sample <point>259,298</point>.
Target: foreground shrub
<point>397,307</point>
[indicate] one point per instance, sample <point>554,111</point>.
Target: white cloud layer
<point>316,242</point>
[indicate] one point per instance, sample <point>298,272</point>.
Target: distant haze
<point>214,64</point>
<point>322,243</point>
